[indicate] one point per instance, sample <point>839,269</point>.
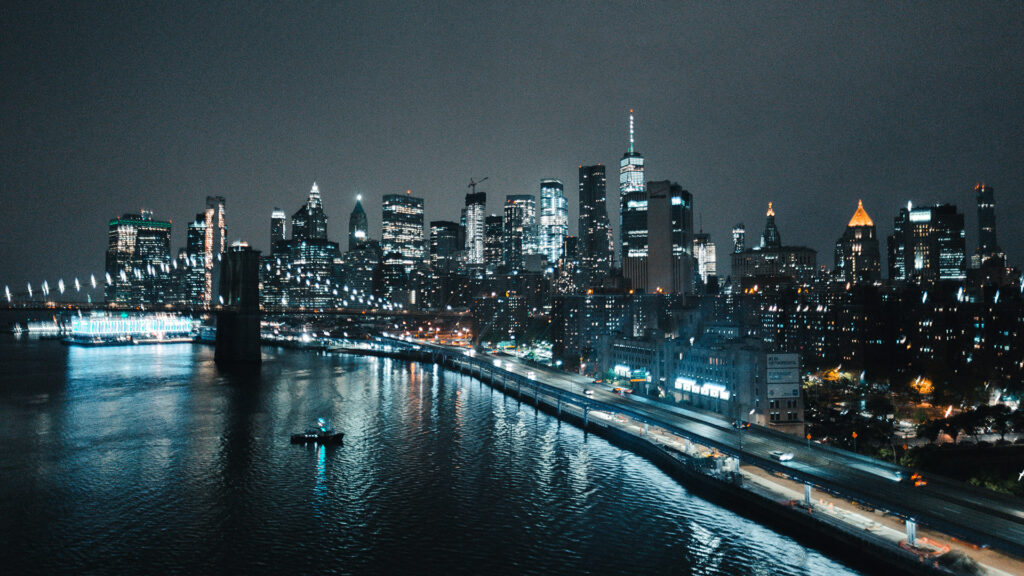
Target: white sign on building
<point>783,375</point>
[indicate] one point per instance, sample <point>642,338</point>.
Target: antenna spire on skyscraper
<point>630,130</point>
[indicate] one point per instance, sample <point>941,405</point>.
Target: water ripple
<point>149,459</point>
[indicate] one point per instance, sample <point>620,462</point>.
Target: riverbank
<point>840,533</point>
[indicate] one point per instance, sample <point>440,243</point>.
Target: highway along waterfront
<point>147,459</point>
<point>856,503</point>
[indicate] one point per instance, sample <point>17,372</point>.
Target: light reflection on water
<point>143,459</point>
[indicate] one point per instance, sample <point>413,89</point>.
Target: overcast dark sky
<point>110,108</point>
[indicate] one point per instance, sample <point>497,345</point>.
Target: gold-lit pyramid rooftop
<point>860,217</point>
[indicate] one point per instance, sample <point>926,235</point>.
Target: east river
<point>147,459</point>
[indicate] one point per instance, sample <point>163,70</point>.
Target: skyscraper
<point>277,227</point>
<point>194,291</point>
<point>512,235</point>
<point>987,245</point>
<point>568,279</point>
<point>476,212</point>
<point>493,225</point>
<point>214,245</point>
<point>358,229</point>
<point>857,254</point>
<point>704,252</point>
<point>361,262</point>
<point>670,238</point>
<point>928,244</point>
<point>528,204</point>
<point>771,258</point>
<point>310,265</point>
<point>770,238</point>
<point>310,221</point>
<point>739,235</point>
<point>595,233</point>
<point>633,215</point>
<point>441,288</point>
<point>444,246</point>
<point>137,260</point>
<point>554,218</point>
<point>896,245</point>
<point>401,240</point>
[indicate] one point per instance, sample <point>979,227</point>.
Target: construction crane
<point>473,184</point>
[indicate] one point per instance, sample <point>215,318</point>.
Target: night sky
<point>110,108</point>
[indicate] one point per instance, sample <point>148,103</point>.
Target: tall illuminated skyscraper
<point>402,242</point>
<point>527,203</point>
<point>770,238</point>
<point>512,235</point>
<point>987,245</point>
<point>554,219</point>
<point>493,225</point>
<point>306,267</point>
<point>214,244</point>
<point>310,221</point>
<point>705,253</point>
<point>927,245</point>
<point>278,221</point>
<point>739,238</point>
<point>138,257</point>
<point>857,256</point>
<point>633,215</point>
<point>476,213</point>
<point>358,229</point>
<point>670,239</point>
<point>595,234</point>
<point>444,246</point>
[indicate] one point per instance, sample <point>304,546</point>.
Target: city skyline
<point>809,138</point>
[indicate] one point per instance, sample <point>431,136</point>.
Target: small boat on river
<point>323,433</point>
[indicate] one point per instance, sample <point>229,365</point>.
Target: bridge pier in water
<point>238,321</point>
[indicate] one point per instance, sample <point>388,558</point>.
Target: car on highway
<point>782,456</point>
<point>588,392</point>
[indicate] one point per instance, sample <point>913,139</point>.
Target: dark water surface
<point>149,460</point>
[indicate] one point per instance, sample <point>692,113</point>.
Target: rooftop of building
<point>860,217</point>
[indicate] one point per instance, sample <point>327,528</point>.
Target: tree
<point>970,421</point>
<point>997,418</point>
<point>1017,420</point>
<point>931,429</point>
<point>879,405</point>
